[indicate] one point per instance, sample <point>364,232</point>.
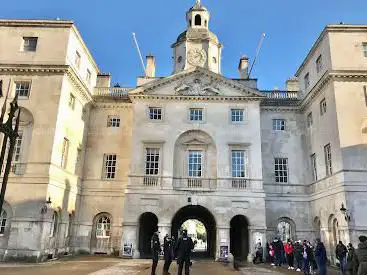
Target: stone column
<point>223,239</point>
<point>130,236</point>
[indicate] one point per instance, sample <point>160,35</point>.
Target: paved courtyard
<point>94,265</point>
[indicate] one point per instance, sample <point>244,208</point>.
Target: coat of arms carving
<point>197,88</point>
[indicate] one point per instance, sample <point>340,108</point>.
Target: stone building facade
<point>99,168</point>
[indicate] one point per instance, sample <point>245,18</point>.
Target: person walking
<point>183,252</point>
<point>361,253</point>
<point>278,247</point>
<point>271,254</point>
<point>341,254</point>
<point>306,255</point>
<point>352,261</point>
<point>298,249</point>
<point>156,250</point>
<point>289,251</point>
<point>313,265</point>
<point>168,250</point>
<point>320,257</point>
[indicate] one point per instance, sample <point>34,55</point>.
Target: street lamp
<point>345,212</point>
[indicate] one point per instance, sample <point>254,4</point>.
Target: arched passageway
<point>148,224</point>
<point>203,215</point>
<point>239,238</point>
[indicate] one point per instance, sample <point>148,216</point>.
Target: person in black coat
<point>278,248</point>
<point>320,257</point>
<point>183,252</point>
<point>168,249</point>
<point>156,250</point>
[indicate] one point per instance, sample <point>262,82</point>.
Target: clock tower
<point>197,46</point>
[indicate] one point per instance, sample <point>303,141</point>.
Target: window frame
<point>150,109</point>
<point>306,80</point>
<point>196,113</point>
<point>88,76</point>
<point>319,64</point>
<point>314,167</point>
<point>364,48</point>
<point>156,170</point>
<point>65,153</point>
<point>20,89</point>
<point>28,48</point>
<point>244,163</point>
<point>3,222</point>
<point>54,224</point>
<point>77,59</point>
<point>328,160</point>
<point>278,163</point>
<point>113,121</point>
<point>234,115</point>
<point>309,119</point>
<point>18,146</point>
<point>105,229</point>
<point>323,106</point>
<point>195,173</point>
<point>277,127</point>
<point>109,163</point>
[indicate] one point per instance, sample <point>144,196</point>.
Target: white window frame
<point>103,227</point>
<point>152,166</point>
<point>71,101</point>
<point>18,147</point>
<point>3,221</point>
<point>109,166</point>
<point>279,124</point>
<point>244,164</point>
<point>88,76</point>
<point>195,173</point>
<point>23,88</point>
<point>27,46</point>
<point>279,164</point>
<point>364,48</point>
<point>314,167</point>
<point>237,115</point>
<point>113,121</point>
<point>328,160</point>
<point>65,152</point>
<point>155,113</point>
<point>309,119</point>
<point>307,81</point>
<point>77,59</point>
<point>196,115</point>
<point>54,224</point>
<point>323,107</point>
<point>319,64</point>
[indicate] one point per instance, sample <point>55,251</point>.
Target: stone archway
<point>148,224</point>
<point>239,237</point>
<point>203,215</point>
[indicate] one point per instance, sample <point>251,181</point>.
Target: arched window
<point>197,20</point>
<point>286,229</point>
<point>3,218</point>
<point>54,224</point>
<point>103,227</point>
<point>336,233</point>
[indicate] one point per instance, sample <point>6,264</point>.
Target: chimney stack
<point>150,70</point>
<point>243,67</point>
<point>292,85</point>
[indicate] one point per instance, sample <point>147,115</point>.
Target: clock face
<point>196,57</point>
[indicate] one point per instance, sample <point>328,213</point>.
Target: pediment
<point>194,141</point>
<point>197,82</point>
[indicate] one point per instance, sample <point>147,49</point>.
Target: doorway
<point>239,238</point>
<point>202,223</point>
<point>148,224</point>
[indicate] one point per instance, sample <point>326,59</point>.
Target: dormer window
<point>197,20</point>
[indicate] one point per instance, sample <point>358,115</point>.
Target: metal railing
<point>282,95</point>
<point>111,91</point>
<point>196,183</point>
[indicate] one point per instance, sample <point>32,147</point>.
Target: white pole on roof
<point>257,53</point>
<point>139,52</point>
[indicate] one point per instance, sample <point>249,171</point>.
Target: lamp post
<point>10,132</point>
<point>345,212</point>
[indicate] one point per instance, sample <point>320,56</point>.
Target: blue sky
<point>291,26</point>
